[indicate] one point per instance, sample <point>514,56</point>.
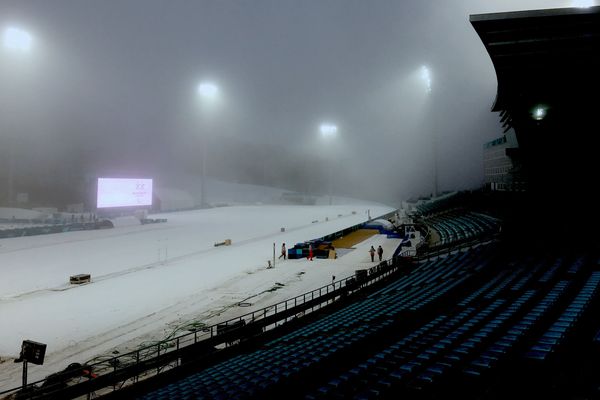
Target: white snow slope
<point>146,278</point>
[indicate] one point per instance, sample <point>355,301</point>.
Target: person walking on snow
<point>283,253</point>
<point>310,252</point>
<point>380,252</point>
<point>372,253</point>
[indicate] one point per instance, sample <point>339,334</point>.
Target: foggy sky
<point>110,88</point>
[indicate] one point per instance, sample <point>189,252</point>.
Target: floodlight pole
<point>329,131</point>
<point>18,42</point>
<point>426,76</point>
<point>264,174</point>
<point>33,351</point>
<point>24,373</point>
<point>203,175</point>
<point>11,172</point>
<point>330,182</point>
<point>208,93</point>
<point>435,162</point>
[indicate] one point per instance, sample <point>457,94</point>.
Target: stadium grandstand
<point>490,308</point>
<point>546,63</point>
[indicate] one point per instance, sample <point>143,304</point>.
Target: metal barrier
<point>53,228</point>
<point>445,250</point>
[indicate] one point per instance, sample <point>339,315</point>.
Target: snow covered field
<point>147,279</point>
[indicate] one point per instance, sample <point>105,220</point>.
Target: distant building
<point>502,164</point>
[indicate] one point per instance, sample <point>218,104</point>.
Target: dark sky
<point>111,84</point>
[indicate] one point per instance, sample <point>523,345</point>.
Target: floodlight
<point>208,90</point>
<point>328,130</point>
<point>16,39</point>
<point>426,76</point>
<point>539,113</point>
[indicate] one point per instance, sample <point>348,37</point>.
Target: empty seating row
<point>551,339</point>
<point>457,227</point>
<point>426,356</point>
<point>301,349</point>
<point>507,309</point>
<point>440,204</point>
<point>505,344</point>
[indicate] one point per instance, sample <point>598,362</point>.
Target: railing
<point>408,253</point>
<point>117,371</point>
<point>58,227</point>
<point>447,249</point>
<point>455,243</point>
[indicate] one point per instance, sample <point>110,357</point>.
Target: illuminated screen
<point>115,192</point>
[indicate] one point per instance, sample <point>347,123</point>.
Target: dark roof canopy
<point>539,54</point>
<point>547,65</point>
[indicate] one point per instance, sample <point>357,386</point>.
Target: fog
<point>109,88</point>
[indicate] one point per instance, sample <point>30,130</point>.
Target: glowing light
<point>16,39</point>
<point>328,130</point>
<point>426,76</point>
<point>539,113</point>
<point>582,3</point>
<point>208,90</point>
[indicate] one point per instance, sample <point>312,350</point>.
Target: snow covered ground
<point>147,279</point>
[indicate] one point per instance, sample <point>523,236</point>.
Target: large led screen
<point>117,192</point>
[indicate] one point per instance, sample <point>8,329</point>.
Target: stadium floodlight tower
<point>18,42</point>
<point>209,94</point>
<point>426,77</point>
<point>329,132</point>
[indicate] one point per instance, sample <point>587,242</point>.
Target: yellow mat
<point>348,241</point>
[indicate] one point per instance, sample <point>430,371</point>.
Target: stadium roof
<point>539,55</point>
<point>547,64</point>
